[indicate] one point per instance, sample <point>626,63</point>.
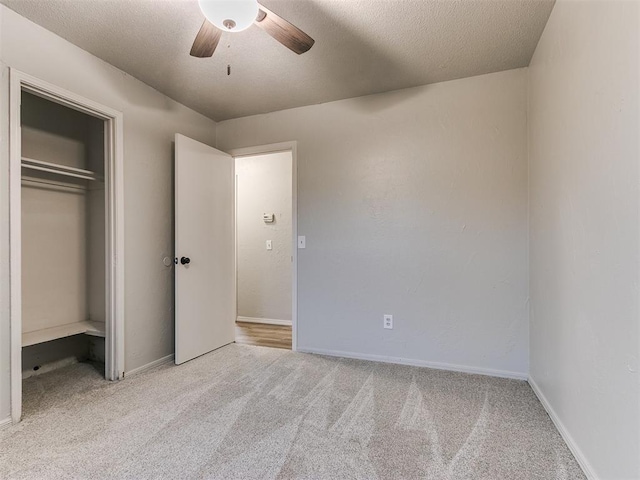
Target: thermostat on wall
<point>268,217</point>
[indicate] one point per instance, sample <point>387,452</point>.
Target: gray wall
<point>414,203</point>
<point>264,276</point>
<point>584,154</point>
<point>150,123</point>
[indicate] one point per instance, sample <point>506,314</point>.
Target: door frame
<point>114,224</point>
<point>278,148</point>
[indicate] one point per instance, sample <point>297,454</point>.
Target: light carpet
<point>259,413</point>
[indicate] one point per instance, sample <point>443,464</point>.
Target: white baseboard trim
<point>418,363</point>
<point>564,433</point>
<point>4,423</point>
<point>267,321</point>
<point>49,367</point>
<point>143,368</point>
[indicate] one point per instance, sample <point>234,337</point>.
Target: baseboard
<point>143,368</point>
<point>50,367</point>
<point>564,433</point>
<point>267,321</point>
<point>4,423</point>
<point>418,363</point>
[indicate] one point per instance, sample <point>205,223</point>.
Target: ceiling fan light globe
<point>230,15</point>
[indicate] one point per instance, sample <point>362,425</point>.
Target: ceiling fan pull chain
<point>228,70</point>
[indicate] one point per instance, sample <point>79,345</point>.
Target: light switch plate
<point>302,241</point>
<point>269,245</point>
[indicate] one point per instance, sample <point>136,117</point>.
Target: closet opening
<point>63,236</point>
<point>66,234</point>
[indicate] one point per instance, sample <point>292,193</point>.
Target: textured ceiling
<point>362,47</point>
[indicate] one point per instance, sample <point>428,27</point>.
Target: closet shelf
<point>95,329</point>
<point>58,169</point>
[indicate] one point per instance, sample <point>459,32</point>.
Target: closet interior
<point>63,236</point>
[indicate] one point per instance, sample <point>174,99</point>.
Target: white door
<point>205,249</point>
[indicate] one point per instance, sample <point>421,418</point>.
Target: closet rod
<point>61,186</point>
<point>53,170</point>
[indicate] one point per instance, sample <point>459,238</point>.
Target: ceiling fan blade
<point>206,41</point>
<point>287,34</point>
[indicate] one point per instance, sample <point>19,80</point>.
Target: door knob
<point>185,260</point>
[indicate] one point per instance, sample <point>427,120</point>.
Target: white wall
<point>414,203</point>
<point>584,254</point>
<point>264,276</point>
<point>54,257</point>
<point>150,122</point>
<point>5,333</point>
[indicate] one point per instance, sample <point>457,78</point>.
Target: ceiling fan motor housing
<point>230,15</point>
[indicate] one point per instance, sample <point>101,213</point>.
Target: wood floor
<point>277,336</point>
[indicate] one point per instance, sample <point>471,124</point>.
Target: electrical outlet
<point>388,321</point>
<point>269,246</point>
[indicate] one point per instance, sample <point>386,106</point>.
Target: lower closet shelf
<point>95,329</point>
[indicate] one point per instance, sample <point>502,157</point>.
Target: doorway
<point>265,246</point>
<point>206,247</point>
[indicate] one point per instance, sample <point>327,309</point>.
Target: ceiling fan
<point>238,15</point>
